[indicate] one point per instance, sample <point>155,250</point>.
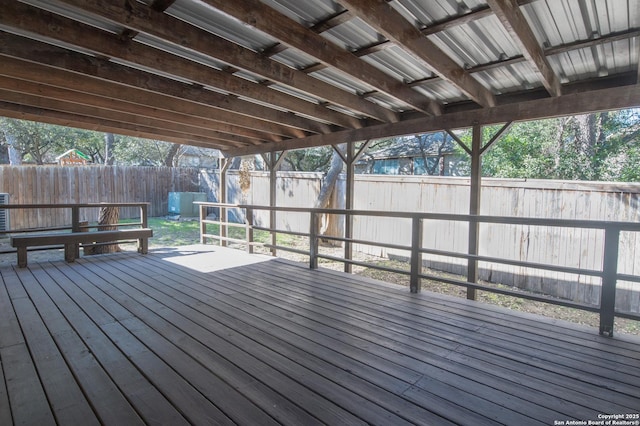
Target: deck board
<point>207,335</point>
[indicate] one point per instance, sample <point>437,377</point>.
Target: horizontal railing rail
<point>608,273</point>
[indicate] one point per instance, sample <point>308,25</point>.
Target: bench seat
<point>72,240</point>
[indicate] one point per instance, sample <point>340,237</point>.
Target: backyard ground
<point>171,233</point>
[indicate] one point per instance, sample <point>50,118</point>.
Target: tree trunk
<point>108,216</point>
<point>169,160</point>
<point>328,186</point>
<point>109,144</point>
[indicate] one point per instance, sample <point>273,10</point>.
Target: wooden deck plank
<point>236,406</point>
<point>183,395</point>
<point>67,401</point>
<point>578,386</point>
<point>152,406</point>
<point>584,354</point>
<point>246,381</point>
<point>585,361</point>
<point>109,404</point>
<point>537,330</point>
<point>536,410</point>
<point>582,385</point>
<point>207,335</point>
<point>499,396</point>
<point>370,412</point>
<point>457,340</point>
<point>5,407</point>
<point>27,398</point>
<point>273,344</point>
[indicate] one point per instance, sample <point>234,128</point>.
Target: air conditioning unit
<point>4,213</point>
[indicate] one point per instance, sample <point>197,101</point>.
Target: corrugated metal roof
<point>478,46</point>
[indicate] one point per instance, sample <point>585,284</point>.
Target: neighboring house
<point>433,154</point>
<point>202,158</point>
<point>73,157</point>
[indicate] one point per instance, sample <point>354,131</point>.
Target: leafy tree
<point>310,159</point>
<point>36,142</point>
<point>128,150</point>
<point>600,146</point>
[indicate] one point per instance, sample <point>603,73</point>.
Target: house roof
<point>249,76</point>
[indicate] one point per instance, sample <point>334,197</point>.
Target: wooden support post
<point>273,201</point>
<point>415,284</point>
<point>203,225</point>
<point>249,229</point>
<point>350,160</point>
<point>474,207</point>
<point>609,279</point>
<point>313,239</point>
<point>348,219</point>
<point>224,217</point>
<point>75,227</point>
<point>274,163</point>
<point>143,243</point>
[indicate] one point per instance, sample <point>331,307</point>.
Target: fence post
<point>203,225</point>
<point>609,279</point>
<point>313,240</point>
<point>249,229</point>
<point>416,256</point>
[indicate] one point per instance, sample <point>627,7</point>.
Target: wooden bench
<point>73,240</point>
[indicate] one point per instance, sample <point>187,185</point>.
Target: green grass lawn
<point>172,233</point>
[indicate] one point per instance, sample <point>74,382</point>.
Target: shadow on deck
<point>207,335</point>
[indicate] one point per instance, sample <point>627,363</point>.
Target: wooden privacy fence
<point>609,300</point>
<point>90,184</point>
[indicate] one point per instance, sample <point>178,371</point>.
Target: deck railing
<point>608,274</point>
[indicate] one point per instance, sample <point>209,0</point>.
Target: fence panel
<point>91,184</point>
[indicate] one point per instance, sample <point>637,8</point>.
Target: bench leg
<point>22,257</point>
<point>70,252</point>
<point>143,245</point>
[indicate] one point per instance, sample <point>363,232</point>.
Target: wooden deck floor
<point>206,335</point>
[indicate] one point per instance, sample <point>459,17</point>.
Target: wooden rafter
<point>209,117</point>
<point>293,34</point>
<point>144,19</point>
<point>195,125</point>
<point>37,52</point>
<point>38,21</point>
<point>388,22</point>
<point>60,118</point>
<point>555,50</point>
<point>511,17</point>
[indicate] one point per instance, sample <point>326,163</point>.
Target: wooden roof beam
<point>26,112</point>
<point>209,117</point>
<point>144,19</point>
<point>203,127</point>
<point>511,17</point>
<point>581,102</point>
<point>31,50</point>
<point>47,24</point>
<point>390,23</point>
<point>293,34</point>
<point>158,127</point>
